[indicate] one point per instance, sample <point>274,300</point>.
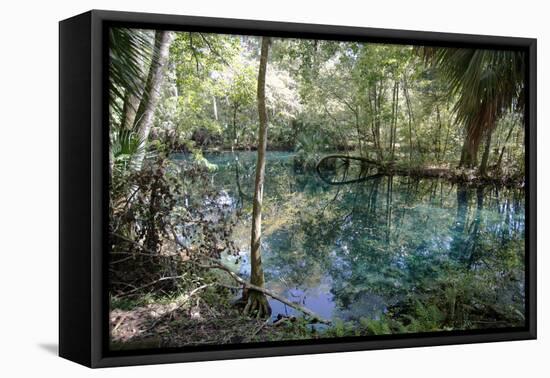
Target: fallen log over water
<point>371,169</point>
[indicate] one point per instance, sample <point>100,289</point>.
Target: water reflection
<point>389,246</point>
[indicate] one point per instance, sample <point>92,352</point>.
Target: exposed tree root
<point>252,304</point>
<point>257,305</point>
<point>216,265</point>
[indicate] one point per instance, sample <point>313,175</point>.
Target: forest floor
<point>195,322</point>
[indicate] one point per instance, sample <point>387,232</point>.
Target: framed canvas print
<point>234,188</point>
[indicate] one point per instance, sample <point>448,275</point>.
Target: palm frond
<point>486,83</point>
<point>127,148</point>
<point>130,52</point>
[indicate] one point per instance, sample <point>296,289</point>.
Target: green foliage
<point>126,147</point>
<point>487,84</point>
<point>308,150</point>
<point>130,52</point>
<point>379,101</point>
<point>197,61</point>
<point>392,254</point>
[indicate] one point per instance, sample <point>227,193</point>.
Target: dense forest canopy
<point>387,102</point>
<point>351,110</point>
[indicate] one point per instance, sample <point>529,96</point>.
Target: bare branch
<point>214,264</point>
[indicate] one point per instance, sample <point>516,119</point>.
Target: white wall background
<point>29,189</point>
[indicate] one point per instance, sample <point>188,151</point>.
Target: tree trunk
<point>151,93</point>
<point>468,157</point>
<point>437,141</point>
<point>376,125</point>
<point>358,129</point>
<point>257,302</point>
<point>235,143</point>
<point>444,152</point>
<point>395,113</point>
<point>411,122</point>
<point>499,161</point>
<point>215,105</point>
<point>378,122</point>
<point>129,110</point>
<point>486,152</point>
<point>410,132</point>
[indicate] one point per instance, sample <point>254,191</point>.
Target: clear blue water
<point>384,247</point>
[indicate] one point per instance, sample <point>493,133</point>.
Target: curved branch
<point>267,292</point>
<point>346,159</point>
<point>214,264</point>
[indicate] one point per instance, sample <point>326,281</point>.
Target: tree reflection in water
<point>419,255</point>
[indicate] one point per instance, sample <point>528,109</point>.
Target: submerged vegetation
<point>276,189</point>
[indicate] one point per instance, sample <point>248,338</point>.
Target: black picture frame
<point>83,178</point>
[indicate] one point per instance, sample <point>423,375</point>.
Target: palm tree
<point>137,59</point>
<point>151,91</point>
<point>130,52</point>
<point>486,83</point>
